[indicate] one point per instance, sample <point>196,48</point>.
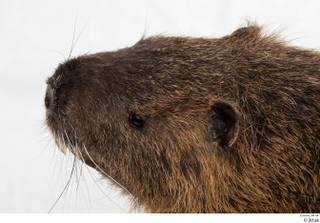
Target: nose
<point>49,97</point>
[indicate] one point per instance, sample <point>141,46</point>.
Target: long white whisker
<point>55,51</point>
<point>81,174</point>
<point>76,149</point>
<point>81,33</point>
<point>70,177</point>
<point>96,182</point>
<point>74,31</point>
<point>105,172</point>
<point>55,164</point>
<point>78,155</point>
<point>65,188</point>
<point>74,43</point>
<point>74,166</point>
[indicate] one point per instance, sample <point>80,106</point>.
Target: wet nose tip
<point>48,97</point>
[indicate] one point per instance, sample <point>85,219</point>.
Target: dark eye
<point>136,120</point>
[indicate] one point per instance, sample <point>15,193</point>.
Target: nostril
<point>47,101</point>
<point>48,98</point>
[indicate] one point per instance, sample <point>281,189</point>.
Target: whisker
<point>74,166</point>
<point>77,155</point>
<point>70,177</point>
<point>97,181</point>
<point>55,155</point>
<point>44,149</point>
<point>73,34</point>
<point>55,51</point>
<point>105,172</point>
<point>74,43</point>
<point>75,149</point>
<point>79,165</point>
<point>64,190</point>
<point>80,34</point>
<point>62,141</point>
<point>82,175</point>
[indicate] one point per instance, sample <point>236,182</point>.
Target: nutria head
<point>196,124</point>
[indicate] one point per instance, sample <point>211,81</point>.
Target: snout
<point>49,97</point>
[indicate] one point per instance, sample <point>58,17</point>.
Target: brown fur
<point>229,124</point>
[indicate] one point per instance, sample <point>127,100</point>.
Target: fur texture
<point>197,124</point>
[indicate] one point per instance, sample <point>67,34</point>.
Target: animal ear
<point>223,124</point>
<point>250,32</point>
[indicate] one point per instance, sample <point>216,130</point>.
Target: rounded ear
<point>252,31</point>
<point>223,124</point>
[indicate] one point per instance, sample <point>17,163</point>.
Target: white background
<point>35,36</point>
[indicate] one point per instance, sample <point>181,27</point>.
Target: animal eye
<point>136,120</point>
